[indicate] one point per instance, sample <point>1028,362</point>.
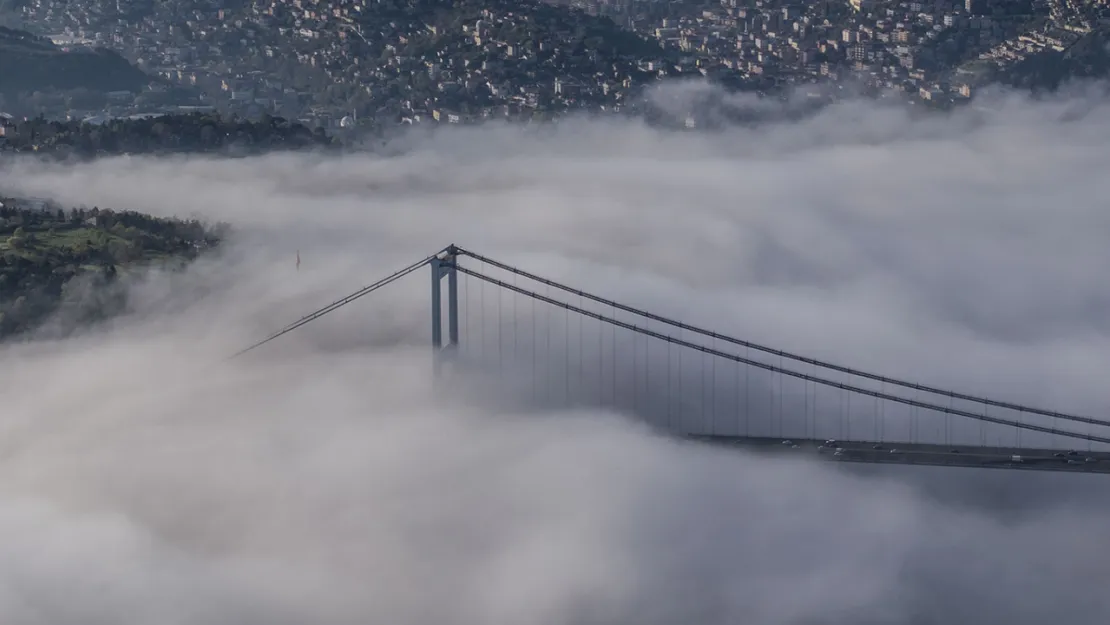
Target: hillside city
<point>340,64</point>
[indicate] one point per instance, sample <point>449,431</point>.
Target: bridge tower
<point>443,266</point>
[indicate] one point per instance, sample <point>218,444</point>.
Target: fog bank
<point>323,478</point>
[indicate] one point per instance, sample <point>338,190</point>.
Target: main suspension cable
<point>947,410</point>
<point>782,354</point>
<point>366,290</point>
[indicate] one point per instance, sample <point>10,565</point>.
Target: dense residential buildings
<point>346,63</point>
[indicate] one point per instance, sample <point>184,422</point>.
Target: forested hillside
<point>29,63</point>
<point>53,259</point>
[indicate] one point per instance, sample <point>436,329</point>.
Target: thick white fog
<point>323,479</point>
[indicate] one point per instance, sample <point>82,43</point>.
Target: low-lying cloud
<point>324,478</point>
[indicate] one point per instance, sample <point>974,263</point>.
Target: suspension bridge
<point>561,347</point>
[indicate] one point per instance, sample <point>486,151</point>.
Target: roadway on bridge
<point>1076,461</point>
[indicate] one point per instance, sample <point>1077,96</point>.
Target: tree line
<point>191,132</point>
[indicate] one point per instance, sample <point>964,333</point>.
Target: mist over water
<point>323,479</point>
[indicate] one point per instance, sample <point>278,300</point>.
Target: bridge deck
<point>1076,461</point>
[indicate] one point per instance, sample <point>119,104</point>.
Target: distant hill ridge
<point>31,63</point>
